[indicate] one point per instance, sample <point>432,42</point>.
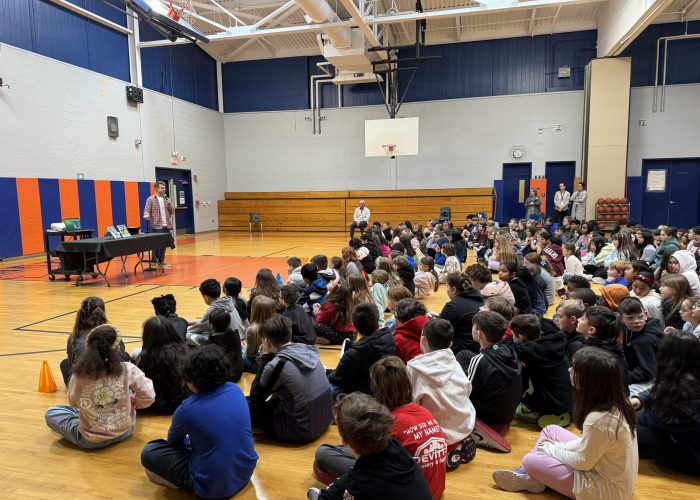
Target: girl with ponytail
<point>464,303</point>
<point>90,315</point>
<point>103,410</point>
<point>600,328</point>
<point>426,278</point>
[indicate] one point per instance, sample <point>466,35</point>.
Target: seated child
<point>290,398</point>
<point>405,272</point>
<point>426,279</point>
<point>411,317</point>
<point>568,313</point>
<point>372,344</point>
<point>232,288</point>
<point>294,272</point>
<point>383,468</point>
<point>508,273</point>
<point>494,373</point>
<point>210,289</point>
<point>228,340</point>
<point>440,385</point>
<point>102,410</point>
<point>572,264</point>
<point>262,309</point>
<point>643,289</point>
<point>452,263</point>
<point>328,275</point>
<point>166,306</point>
<point>599,327</point>
<point>480,278</point>
<point>302,326</point>
<point>215,460</point>
<point>315,289</point>
<point>333,318</point>
<point>603,461</point>
<point>379,286</point>
<point>641,337</point>
<point>414,428</point>
<point>160,359</point>
<point>585,295</point>
<point>549,398</point>
<point>395,295</point>
<point>616,273</point>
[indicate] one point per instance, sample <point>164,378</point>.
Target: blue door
<point>557,172</point>
<point>674,202</point>
<point>179,189</point>
<point>516,184</point>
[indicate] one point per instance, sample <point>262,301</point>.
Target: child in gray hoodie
<point>198,332</point>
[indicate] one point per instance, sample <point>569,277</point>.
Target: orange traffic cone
<point>46,380</point>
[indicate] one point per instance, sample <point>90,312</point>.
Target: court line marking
<point>46,351</point>
<point>279,251</point>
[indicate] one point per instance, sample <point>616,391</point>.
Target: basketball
<point>616,200</point>
<point>601,201</point>
<point>617,217</point>
<point>624,200</point>
<point>615,209</point>
<point>608,217</point>
<point>608,200</point>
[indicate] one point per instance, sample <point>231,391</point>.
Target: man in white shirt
<point>561,203</point>
<point>360,218</point>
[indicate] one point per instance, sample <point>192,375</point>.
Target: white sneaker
<point>510,480</point>
<point>313,493</point>
<point>154,478</point>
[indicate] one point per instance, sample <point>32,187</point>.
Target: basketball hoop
<point>389,149</point>
<point>180,9</point>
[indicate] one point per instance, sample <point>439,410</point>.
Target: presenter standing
<point>360,218</point>
<point>159,213</point>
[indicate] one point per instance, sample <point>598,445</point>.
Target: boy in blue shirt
<point>209,451</point>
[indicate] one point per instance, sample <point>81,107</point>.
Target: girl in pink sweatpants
<point>603,461</point>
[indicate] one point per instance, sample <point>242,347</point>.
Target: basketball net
<point>181,9</point>
<point>389,149</point>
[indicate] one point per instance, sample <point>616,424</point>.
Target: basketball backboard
<point>397,137</point>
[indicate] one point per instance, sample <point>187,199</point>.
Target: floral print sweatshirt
<point>107,407</point>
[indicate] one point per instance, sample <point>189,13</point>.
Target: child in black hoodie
<point>549,400</point>
<point>384,469</point>
<point>302,326</point>
<point>641,337</point>
<point>600,328</point>
<point>405,272</point>
<point>508,272</point>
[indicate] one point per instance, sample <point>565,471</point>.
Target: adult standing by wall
<point>159,213</point>
<point>532,205</point>
<point>562,198</point>
<point>360,218</point>
<point>578,202</point>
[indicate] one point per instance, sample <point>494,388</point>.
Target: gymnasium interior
<point>268,121</point>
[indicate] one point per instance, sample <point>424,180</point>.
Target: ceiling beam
<point>360,22</point>
<point>532,22</point>
<point>90,15</point>
<point>621,21</point>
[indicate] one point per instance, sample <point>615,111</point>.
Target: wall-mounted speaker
<point>113,127</point>
<point>134,94</point>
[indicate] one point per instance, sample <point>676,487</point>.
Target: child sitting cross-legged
<point>603,461</point>
<point>496,379</point>
<point>440,386</point>
<point>314,289</point>
<point>215,460</point>
<point>383,468</point>
<point>262,309</point>
<point>372,344</point>
<point>599,328</point>
<point>333,321</point>
<point>568,313</point>
<point>426,278</point>
<point>548,399</point>
<point>302,326</point>
<point>415,429</point>
<point>102,411</point>
<point>198,332</point>
<point>641,337</point>
<point>406,272</point>
<point>228,340</point>
<point>290,398</point>
<point>379,288</point>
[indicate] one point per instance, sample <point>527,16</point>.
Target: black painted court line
<point>29,330</point>
<point>280,251</point>
<point>47,351</point>
<point>22,328</point>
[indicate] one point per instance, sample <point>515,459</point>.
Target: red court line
<point>103,205</point>
<point>29,204</point>
<point>133,209</point>
<point>70,203</point>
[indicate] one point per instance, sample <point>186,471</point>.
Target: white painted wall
<point>675,133</point>
<point>53,124</point>
<point>462,143</point>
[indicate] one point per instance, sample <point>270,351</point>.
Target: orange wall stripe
<point>133,208</point>
<point>153,189</point>
<point>29,205</point>
<point>70,203</point>
<point>103,205</point>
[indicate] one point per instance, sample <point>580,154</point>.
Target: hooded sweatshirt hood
<point>688,269</point>
<point>305,357</point>
<point>498,289</point>
<point>407,338</point>
<point>439,366</point>
<point>319,286</point>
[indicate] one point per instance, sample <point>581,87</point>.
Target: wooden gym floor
<point>37,315</point>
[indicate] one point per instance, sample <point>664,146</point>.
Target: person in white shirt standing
<point>159,213</point>
<point>562,198</point>
<point>360,218</point>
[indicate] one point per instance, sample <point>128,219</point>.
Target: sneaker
<point>526,414</point>
<point>467,450</point>
<point>487,437</point>
<point>154,478</point>
<point>313,493</point>
<point>514,480</point>
<point>164,265</point>
<point>562,420</point>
